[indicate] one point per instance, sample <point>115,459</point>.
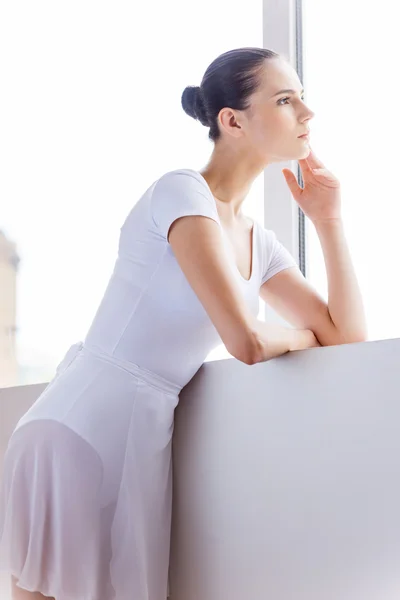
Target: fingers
<point>314,162</point>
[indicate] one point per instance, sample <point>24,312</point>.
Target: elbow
<point>341,338</point>
<point>249,351</point>
<point>247,359</point>
<point>358,338</point>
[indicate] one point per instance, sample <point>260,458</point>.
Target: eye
<point>287,98</point>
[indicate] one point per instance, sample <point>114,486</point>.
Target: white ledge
<point>287,478</point>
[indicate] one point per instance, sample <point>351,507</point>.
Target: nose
<point>309,115</point>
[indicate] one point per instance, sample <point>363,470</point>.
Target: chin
<point>301,152</point>
<point>296,155</point>
<point>306,151</point>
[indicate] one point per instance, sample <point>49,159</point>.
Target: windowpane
<point>90,116</point>
<point>352,85</point>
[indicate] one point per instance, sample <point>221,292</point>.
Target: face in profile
<point>271,126</point>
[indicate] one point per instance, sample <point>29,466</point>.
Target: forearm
<point>345,302</point>
<point>273,340</point>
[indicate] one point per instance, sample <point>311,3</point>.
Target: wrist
<point>323,223</point>
<point>296,339</point>
<point>302,339</point>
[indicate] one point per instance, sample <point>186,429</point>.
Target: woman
<point>86,493</point>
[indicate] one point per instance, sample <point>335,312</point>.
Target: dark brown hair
<point>229,81</point>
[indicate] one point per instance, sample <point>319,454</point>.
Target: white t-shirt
<point>149,314</point>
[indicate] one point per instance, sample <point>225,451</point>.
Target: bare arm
<point>291,295</point>
<point>198,247</point>
<point>345,303</point>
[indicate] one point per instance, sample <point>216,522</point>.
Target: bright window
<point>90,116</point>
<point>351,83</point>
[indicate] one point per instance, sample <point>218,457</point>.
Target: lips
<point>305,135</point>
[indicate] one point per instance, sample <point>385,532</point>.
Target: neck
<point>230,178</point>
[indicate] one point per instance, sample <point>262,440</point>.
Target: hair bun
<point>193,103</point>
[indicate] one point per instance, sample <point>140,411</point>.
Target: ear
<point>229,121</point>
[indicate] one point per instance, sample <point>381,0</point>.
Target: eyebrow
<point>286,92</point>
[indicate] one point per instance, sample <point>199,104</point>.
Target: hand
<point>320,198</point>
<point>303,339</point>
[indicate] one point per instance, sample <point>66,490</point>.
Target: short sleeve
<point>276,256</point>
<point>179,194</point>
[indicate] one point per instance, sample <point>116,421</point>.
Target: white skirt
<point>86,495</point>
